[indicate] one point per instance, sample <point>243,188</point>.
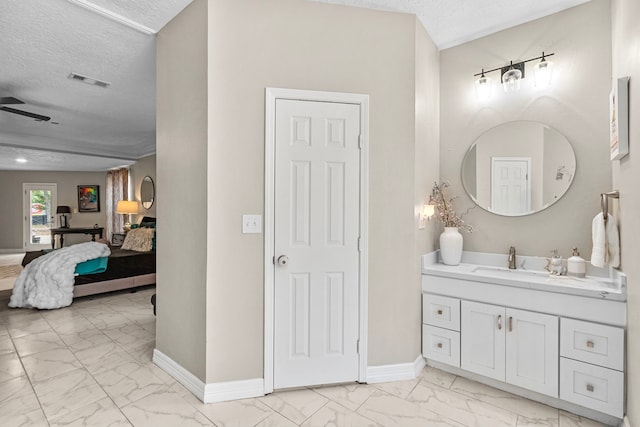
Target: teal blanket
<point>92,266</point>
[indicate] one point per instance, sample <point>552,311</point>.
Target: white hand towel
<point>613,241</point>
<point>599,253</point>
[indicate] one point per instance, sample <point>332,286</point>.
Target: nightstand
<point>117,239</point>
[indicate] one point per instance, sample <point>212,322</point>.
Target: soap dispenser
<point>576,265</point>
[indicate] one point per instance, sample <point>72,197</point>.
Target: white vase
<point>451,246</point>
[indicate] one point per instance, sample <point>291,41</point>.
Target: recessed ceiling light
<point>88,80</point>
<point>21,160</point>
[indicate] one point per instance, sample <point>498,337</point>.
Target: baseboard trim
<point>192,383</point>
<point>12,251</point>
<point>626,422</point>
<point>213,392</point>
<point>233,390</point>
<point>397,372</point>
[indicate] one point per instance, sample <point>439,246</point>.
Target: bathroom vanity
<point>555,339</point>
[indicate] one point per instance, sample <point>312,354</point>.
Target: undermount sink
<point>490,270</point>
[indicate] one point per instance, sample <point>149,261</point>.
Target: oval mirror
<point>147,192</point>
<point>518,168</point>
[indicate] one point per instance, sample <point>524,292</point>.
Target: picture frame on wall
<point>619,118</point>
<point>88,198</point>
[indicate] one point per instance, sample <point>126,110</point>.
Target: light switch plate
<point>251,224</point>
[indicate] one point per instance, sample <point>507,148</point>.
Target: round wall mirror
<point>147,192</point>
<point>518,168</point>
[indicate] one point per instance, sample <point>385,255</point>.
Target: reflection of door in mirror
<point>548,176</point>
<point>147,192</point>
<point>510,185</point>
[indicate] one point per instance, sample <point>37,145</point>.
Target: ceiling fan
<point>8,100</point>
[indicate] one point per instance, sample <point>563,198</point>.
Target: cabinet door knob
<point>590,387</point>
<point>590,344</point>
<point>439,311</point>
<point>500,322</point>
<point>439,345</point>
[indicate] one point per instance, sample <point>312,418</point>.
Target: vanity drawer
<point>441,345</point>
<point>593,343</point>
<point>592,386</point>
<point>441,311</point>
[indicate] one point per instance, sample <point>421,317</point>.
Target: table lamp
<point>127,207</point>
<point>63,211</point>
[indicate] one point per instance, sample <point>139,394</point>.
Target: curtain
<point>117,189</point>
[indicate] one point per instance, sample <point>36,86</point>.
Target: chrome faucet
<point>512,258</point>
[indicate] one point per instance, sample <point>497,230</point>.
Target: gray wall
<point>626,176</point>
<point>11,226</point>
<point>255,44</point>
<point>575,105</point>
<point>217,168</point>
<point>181,154</point>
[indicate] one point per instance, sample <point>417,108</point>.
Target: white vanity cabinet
<point>591,366</point>
<point>516,346</point>
<point>441,329</point>
<point>562,346</point>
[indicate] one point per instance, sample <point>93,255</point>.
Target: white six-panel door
<point>316,232</point>
<point>510,185</point>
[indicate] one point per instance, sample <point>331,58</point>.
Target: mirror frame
<point>531,212</point>
<point>148,204</point>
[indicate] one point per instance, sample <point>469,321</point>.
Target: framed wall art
<point>619,118</point>
<point>88,198</point>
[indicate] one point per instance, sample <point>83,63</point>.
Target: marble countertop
<point>490,268</point>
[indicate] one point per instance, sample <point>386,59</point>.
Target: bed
<point>126,269</point>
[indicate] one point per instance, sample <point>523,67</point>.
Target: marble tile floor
<point>90,365</point>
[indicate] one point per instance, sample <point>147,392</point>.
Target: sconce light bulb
<point>542,73</point>
<point>429,210</point>
<point>483,88</point>
<point>511,80</point>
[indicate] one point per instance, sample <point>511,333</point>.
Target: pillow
<point>139,239</point>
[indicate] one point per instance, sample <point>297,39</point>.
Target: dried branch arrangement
<point>444,210</point>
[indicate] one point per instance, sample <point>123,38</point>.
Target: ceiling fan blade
<point>10,100</point>
<point>26,114</point>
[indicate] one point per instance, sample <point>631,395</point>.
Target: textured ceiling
<point>45,40</point>
<point>452,22</point>
<point>55,161</point>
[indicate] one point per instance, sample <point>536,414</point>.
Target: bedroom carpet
<point>10,271</point>
<point>89,364</point>
<point>10,268</point>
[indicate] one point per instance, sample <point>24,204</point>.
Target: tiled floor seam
<point>33,390</point>
<point>467,397</point>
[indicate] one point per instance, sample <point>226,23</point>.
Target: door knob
<point>283,260</point>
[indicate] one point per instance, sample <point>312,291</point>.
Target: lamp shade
<point>127,207</point>
<point>63,210</point>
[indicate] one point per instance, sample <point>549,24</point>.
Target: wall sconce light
<point>428,211</point>
<point>542,72</point>
<point>483,87</point>
<point>512,74</point>
<point>511,77</point>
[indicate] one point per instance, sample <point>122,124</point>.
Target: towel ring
<point>604,202</point>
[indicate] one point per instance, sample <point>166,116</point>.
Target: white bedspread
<point>47,281</point>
